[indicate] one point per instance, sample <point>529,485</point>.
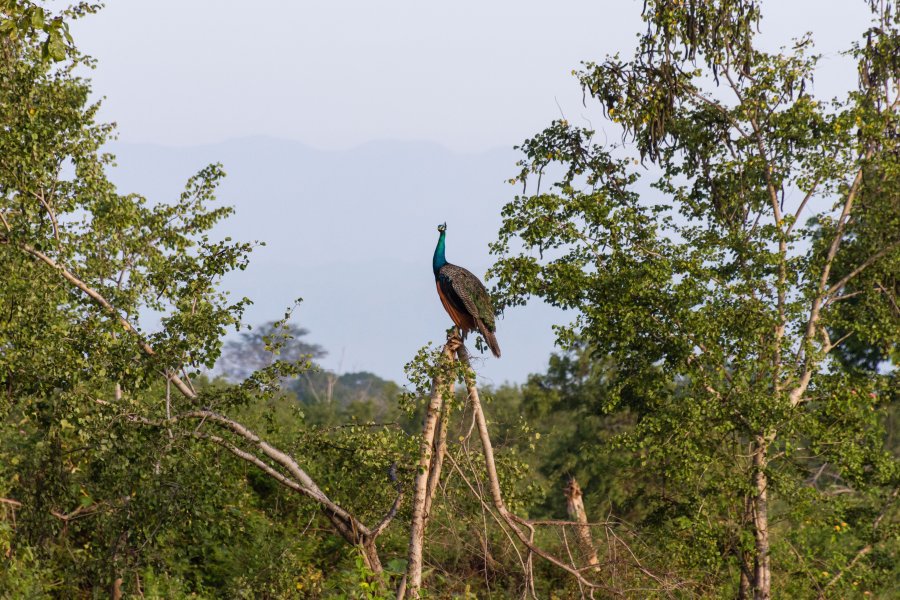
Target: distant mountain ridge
<point>352,232</point>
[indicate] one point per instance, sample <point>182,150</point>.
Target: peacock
<point>464,297</point>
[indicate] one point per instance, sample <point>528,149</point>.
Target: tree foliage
<point>111,308</point>
<point>748,301</point>
<point>726,395</point>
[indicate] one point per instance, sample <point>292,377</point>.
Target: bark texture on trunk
<point>439,448</point>
<point>744,587</point>
<point>430,455</point>
<point>761,571</point>
<point>370,555</point>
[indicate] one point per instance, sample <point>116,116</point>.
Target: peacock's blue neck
<point>439,259</point>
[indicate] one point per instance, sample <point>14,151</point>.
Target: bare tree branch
<point>806,198</point>
<point>46,205</point>
<point>866,264</point>
<point>494,482</point>
<point>796,394</point>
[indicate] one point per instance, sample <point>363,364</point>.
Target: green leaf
<point>55,47</point>
<point>37,17</point>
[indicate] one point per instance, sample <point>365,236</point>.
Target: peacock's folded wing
<point>467,290</point>
<point>453,304</point>
<point>472,293</point>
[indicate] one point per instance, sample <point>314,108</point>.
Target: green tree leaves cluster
<point>748,301</point>
<point>727,386</point>
<point>92,497</point>
<point>24,19</point>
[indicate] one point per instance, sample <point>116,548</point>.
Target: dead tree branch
<point>514,522</point>
<point>575,508</point>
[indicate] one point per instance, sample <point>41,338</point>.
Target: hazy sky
<point>473,77</point>
<point>470,75</point>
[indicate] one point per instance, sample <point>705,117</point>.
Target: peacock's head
<point>442,227</point>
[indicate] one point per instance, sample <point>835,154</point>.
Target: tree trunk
<point>370,555</point>
<point>745,584</point>
<point>744,587</point>
<point>439,449</point>
<point>761,572</point>
<point>575,508</point>
<point>116,591</point>
<point>353,534</point>
<point>420,504</point>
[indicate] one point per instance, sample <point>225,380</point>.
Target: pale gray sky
<point>468,74</point>
<point>347,212</point>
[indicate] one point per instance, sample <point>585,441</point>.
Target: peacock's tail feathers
<point>489,337</point>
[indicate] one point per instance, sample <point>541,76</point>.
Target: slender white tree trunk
<point>762,572</point>
<point>429,469</point>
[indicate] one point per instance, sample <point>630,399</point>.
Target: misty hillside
<point>370,302</point>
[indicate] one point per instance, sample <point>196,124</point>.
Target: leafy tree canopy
<point>749,301</point>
